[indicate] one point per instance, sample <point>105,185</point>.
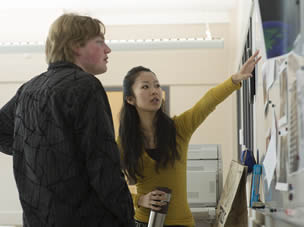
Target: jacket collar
<point>63,64</point>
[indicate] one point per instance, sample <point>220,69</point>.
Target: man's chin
<point>101,71</point>
<point>104,69</point>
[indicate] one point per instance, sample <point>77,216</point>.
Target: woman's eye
<point>145,86</point>
<point>158,85</point>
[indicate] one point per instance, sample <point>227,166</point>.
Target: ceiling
<point>35,16</point>
<point>123,11</point>
<point>116,4</point>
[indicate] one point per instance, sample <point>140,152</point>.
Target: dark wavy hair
<point>132,138</point>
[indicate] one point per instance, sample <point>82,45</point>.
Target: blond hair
<point>70,31</point>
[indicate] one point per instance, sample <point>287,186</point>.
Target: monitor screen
<point>281,25</point>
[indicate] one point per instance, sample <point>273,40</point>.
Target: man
<point>59,130</point>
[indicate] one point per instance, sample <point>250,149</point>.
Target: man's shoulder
<point>83,81</point>
<point>71,76</point>
<point>72,79</point>
<point>68,82</point>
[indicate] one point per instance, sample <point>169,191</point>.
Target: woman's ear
<point>130,100</point>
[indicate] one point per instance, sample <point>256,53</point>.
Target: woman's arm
<point>191,119</point>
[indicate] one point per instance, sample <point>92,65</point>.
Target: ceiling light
<point>124,45</point>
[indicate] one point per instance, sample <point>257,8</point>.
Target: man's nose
<point>108,49</point>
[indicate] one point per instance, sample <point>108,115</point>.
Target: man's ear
<point>76,49</point>
<point>130,100</point>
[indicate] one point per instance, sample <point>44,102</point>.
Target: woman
<point>154,146</point>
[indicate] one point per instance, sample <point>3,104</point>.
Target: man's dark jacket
<point>59,130</point>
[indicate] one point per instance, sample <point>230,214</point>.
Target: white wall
<point>243,12</point>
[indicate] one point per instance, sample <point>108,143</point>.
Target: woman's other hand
<point>153,200</point>
<point>246,69</point>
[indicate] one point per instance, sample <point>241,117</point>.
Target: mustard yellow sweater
<point>175,177</point>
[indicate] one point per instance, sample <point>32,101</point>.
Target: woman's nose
<point>154,90</point>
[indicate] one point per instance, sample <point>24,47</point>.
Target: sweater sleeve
<point>191,119</point>
<point>135,198</point>
<point>7,114</point>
